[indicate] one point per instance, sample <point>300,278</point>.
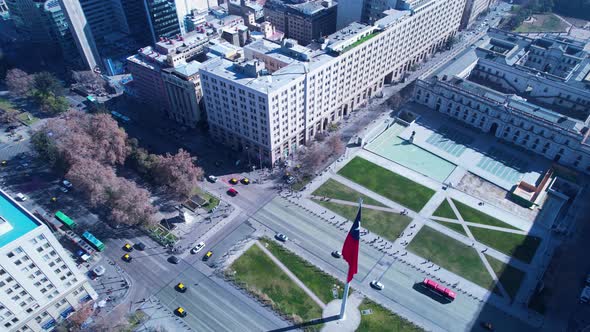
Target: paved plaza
<point>490,229</point>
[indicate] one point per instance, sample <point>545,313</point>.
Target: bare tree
<point>178,172</point>
<point>130,205</point>
<point>9,117</point>
<point>95,181</point>
<point>80,316</point>
<point>335,145</point>
<point>19,82</point>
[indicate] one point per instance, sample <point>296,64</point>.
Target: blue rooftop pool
<point>20,221</point>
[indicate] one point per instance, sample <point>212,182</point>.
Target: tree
<point>335,145</point>
<point>81,315</point>
<point>19,82</point>
<point>96,182</point>
<point>395,101</point>
<point>130,205</point>
<point>77,135</point>
<point>50,103</point>
<point>9,117</point>
<point>143,162</point>
<point>178,172</point>
<point>46,83</point>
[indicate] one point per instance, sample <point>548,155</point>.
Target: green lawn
<point>387,183</point>
<point>213,201</point>
<point>386,224</point>
<point>455,227</point>
<point>382,319</point>
<point>444,210</point>
<point>6,105</point>
<point>257,272</point>
<point>337,190</point>
<point>543,23</point>
<point>473,215</point>
<point>451,255</point>
<point>510,277</point>
<point>522,247</point>
<point>320,283</point>
<point>27,118</point>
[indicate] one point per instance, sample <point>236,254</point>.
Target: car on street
<point>377,285</point>
<point>99,270</point>
<point>336,254</point>
<point>180,312</point>
<point>487,325</point>
<point>212,178</point>
<point>245,181</point>
<point>140,246</point>
<point>233,181</point>
<point>281,237</point>
<point>128,247</point>
<point>63,189</point>
<point>21,197</point>
<point>207,255</point>
<point>4,163</point>
<point>173,259</point>
<point>10,128</point>
<point>67,183</point>
<point>290,180</point>
<point>127,258</point>
<point>232,192</point>
<point>198,247</point>
<point>180,287</point>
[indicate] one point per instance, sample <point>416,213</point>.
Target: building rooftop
<point>511,52</point>
<point>14,220</point>
<point>189,69</point>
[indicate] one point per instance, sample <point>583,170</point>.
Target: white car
<point>63,189</point>
<point>67,183</point>
<point>21,197</point>
<point>99,270</point>
<point>212,178</point>
<point>198,248</point>
<point>377,285</point>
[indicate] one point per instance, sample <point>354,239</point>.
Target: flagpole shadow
<point>306,324</point>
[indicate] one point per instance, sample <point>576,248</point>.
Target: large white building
<point>534,93</point>
<point>40,285</point>
<point>281,96</point>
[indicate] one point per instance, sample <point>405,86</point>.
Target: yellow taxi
<point>246,181</point>
<point>207,255</point>
<point>128,247</point>
<point>180,312</point>
<point>180,287</point>
<point>233,181</point>
<point>126,258</point>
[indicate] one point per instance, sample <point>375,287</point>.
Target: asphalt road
<point>212,304</point>
<point>315,239</point>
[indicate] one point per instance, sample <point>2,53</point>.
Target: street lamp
<point>248,151</point>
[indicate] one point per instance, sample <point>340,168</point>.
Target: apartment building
<point>474,8</point>
<point>40,285</point>
<point>302,21</point>
<point>183,87</point>
<point>534,93</point>
<point>282,95</point>
<point>162,18</point>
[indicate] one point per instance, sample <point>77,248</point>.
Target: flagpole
<point>347,286</point>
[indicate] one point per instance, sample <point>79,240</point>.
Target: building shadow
<point>307,324</point>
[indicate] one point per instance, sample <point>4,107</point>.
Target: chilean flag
<point>350,250</point>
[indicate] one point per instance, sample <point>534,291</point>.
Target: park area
<point>257,273</point>
<point>386,183</point>
<point>542,23</point>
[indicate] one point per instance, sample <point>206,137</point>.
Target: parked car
<point>99,270</point>
<point>377,285</point>
<point>198,247</point>
<point>212,178</point>
<point>207,255</point>
<point>67,183</point>
<point>281,237</point>
<point>63,189</point>
<point>173,259</point>
<point>232,192</point>
<point>21,197</point>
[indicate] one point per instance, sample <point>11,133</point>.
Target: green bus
<point>65,219</point>
<point>93,241</point>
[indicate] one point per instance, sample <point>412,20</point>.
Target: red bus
<point>439,290</point>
